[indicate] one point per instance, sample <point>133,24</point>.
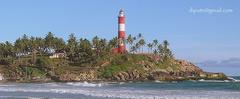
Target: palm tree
<point>72,46</point>
<point>165,43</point>
<point>155,42</point>
<point>150,45</point>
<point>164,52</point>
<point>113,42</point>
<point>142,43</point>
<point>49,42</point>
<point>102,46</point>
<point>25,42</point>
<point>95,42</point>
<point>161,50</point>
<point>130,41</point>
<point>139,35</point>
<point>137,46</point>
<point>40,45</point>
<point>133,49</point>
<point>59,43</point>
<point>33,47</point>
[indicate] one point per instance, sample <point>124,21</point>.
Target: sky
<point>200,31</point>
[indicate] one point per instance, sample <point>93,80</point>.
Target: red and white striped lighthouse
<point>121,32</point>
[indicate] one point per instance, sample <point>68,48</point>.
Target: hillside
<point>37,59</point>
<point>126,67</point>
<point>141,68</point>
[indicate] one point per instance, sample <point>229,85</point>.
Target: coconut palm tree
<point>165,43</point>
<point>113,42</point>
<point>71,47</point>
<point>139,35</point>
<point>155,42</point>
<point>130,41</point>
<point>49,42</point>
<point>150,45</point>
<point>142,43</point>
<point>95,42</point>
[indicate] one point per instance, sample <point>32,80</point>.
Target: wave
<point>233,79</point>
<point>18,97</point>
<point>23,97</point>
<point>230,80</point>
<point>6,85</point>
<point>85,84</point>
<point>136,94</point>
<point>85,89</point>
<point>203,80</point>
<point>51,84</point>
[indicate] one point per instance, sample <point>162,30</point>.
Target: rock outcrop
<point>185,71</point>
<point>79,76</point>
<point>130,76</point>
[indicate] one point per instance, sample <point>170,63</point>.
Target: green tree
<point>164,51</point>
<point>49,43</point>
<point>40,45</point>
<point>113,43</point>
<point>155,42</point>
<point>149,45</point>
<point>71,47</point>
<point>59,43</point>
<point>142,43</point>
<point>6,50</point>
<point>130,41</point>
<point>85,52</point>
<point>139,35</point>
<point>33,47</point>
<point>96,43</point>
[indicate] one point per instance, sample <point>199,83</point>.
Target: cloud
<point>232,62</point>
<point>230,66</point>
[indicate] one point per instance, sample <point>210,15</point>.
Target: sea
<point>202,89</point>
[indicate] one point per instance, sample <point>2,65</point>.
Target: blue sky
<point>199,37</point>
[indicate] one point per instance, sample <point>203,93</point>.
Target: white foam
<point>134,94</point>
<point>84,84</point>
<point>51,84</point>
<point>234,80</point>
<point>202,80</point>
<point>6,85</point>
<point>123,92</point>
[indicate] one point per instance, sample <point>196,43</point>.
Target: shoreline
<point>115,81</point>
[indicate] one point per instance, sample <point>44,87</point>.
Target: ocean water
<point>202,89</point>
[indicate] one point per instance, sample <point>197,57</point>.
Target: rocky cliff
<point>186,71</point>
<point>119,68</point>
<point>146,71</point>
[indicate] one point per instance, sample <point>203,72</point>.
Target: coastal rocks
<point>216,76</point>
<point>128,76</point>
<point>79,76</point>
<point>187,69</point>
<point>186,66</point>
<point>160,75</point>
<point>184,71</point>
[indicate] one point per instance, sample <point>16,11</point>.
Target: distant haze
<point>230,67</point>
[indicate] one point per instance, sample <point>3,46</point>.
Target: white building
<point>57,55</point>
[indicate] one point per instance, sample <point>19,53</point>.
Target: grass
<point>34,72</point>
<point>123,63</point>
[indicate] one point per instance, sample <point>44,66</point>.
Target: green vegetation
<point>28,57</point>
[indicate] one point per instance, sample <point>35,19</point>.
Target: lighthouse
<point>121,32</point>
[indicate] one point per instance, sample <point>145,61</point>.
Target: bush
<point>34,72</point>
<point>5,61</point>
<point>119,59</point>
<point>109,71</point>
<point>43,62</point>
